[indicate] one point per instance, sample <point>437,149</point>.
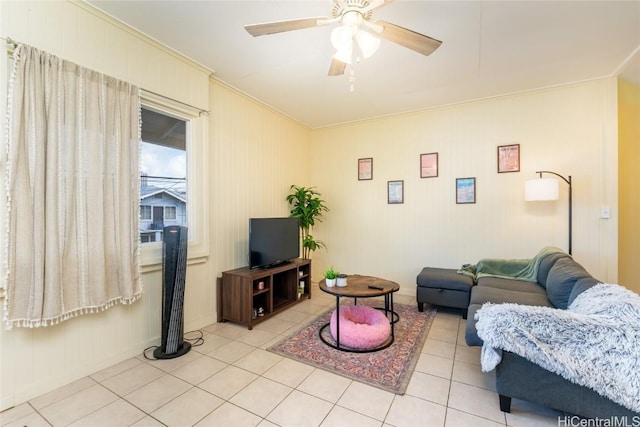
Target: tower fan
<point>174,268</point>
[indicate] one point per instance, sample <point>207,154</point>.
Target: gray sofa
<point>560,281</point>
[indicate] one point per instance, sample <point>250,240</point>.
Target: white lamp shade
<point>341,37</point>
<point>342,40</point>
<point>368,43</point>
<point>542,189</point>
<point>344,55</point>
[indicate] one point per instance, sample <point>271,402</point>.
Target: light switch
<point>605,212</point>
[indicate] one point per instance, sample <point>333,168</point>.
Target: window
<point>163,180</point>
<point>180,177</point>
<point>145,213</point>
<point>170,213</point>
<point>147,238</point>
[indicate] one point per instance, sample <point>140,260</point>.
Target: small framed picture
<point>365,169</point>
<point>395,192</point>
<point>509,158</point>
<point>465,190</point>
<point>429,165</point>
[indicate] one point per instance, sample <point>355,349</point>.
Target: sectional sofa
<point>555,281</point>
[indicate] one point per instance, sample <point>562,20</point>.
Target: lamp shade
<point>541,189</point>
<point>342,40</point>
<point>344,55</point>
<point>368,43</point>
<point>341,37</point>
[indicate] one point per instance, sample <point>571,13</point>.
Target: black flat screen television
<point>273,241</point>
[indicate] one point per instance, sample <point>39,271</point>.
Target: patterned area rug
<point>389,369</point>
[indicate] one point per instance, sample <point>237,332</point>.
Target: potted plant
<point>307,206</point>
<point>330,276</point>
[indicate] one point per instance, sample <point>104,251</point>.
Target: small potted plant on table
<point>330,276</point>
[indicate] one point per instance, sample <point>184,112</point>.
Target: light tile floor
<point>232,380</point>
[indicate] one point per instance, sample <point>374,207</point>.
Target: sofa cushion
<point>482,294</point>
<point>546,264</point>
<point>511,285</point>
<point>581,286</point>
<point>561,279</point>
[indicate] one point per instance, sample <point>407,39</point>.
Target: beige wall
<point>570,130</point>
<point>255,155</point>
<point>629,204</point>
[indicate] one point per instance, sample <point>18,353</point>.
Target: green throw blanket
<point>516,269</point>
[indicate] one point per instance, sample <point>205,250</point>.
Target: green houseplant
<point>307,206</point>
<point>330,273</point>
<point>331,276</point>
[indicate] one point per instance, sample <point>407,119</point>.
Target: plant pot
<point>330,282</point>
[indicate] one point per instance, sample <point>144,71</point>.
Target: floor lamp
<point>547,189</point>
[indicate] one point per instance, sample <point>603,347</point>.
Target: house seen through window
<point>163,181</point>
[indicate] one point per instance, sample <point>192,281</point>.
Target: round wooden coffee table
<point>361,287</point>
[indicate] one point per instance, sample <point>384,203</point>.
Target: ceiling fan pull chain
<point>352,79</point>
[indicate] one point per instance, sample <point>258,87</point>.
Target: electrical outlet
<point>605,212</point>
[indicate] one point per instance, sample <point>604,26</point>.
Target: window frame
<point>142,218</point>
<point>197,182</point>
<point>175,213</point>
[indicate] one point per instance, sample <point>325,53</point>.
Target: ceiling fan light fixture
<point>352,18</point>
<point>357,36</point>
<point>342,41</point>
<point>342,37</point>
<point>344,55</point>
<point>367,43</point>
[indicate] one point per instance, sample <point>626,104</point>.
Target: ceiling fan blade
<point>408,38</point>
<point>375,4</point>
<point>281,26</point>
<point>337,67</point>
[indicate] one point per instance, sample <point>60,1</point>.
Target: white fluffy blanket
<point>594,343</point>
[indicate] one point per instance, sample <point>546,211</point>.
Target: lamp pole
<point>568,181</point>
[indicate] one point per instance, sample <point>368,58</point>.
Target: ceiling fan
<point>357,36</point>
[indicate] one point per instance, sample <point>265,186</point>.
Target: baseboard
<point>6,402</point>
<point>195,324</point>
<point>51,383</point>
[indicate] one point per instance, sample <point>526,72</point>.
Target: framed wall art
<point>465,190</point>
<point>429,165</point>
<point>395,192</point>
<point>509,158</point>
<point>365,169</point>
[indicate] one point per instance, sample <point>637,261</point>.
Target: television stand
<point>244,291</point>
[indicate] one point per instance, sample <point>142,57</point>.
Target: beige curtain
<point>72,187</point>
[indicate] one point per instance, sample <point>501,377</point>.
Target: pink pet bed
<point>361,327</point>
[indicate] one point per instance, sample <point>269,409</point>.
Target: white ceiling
<point>489,48</point>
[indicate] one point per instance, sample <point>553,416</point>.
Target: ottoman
<point>443,287</point>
